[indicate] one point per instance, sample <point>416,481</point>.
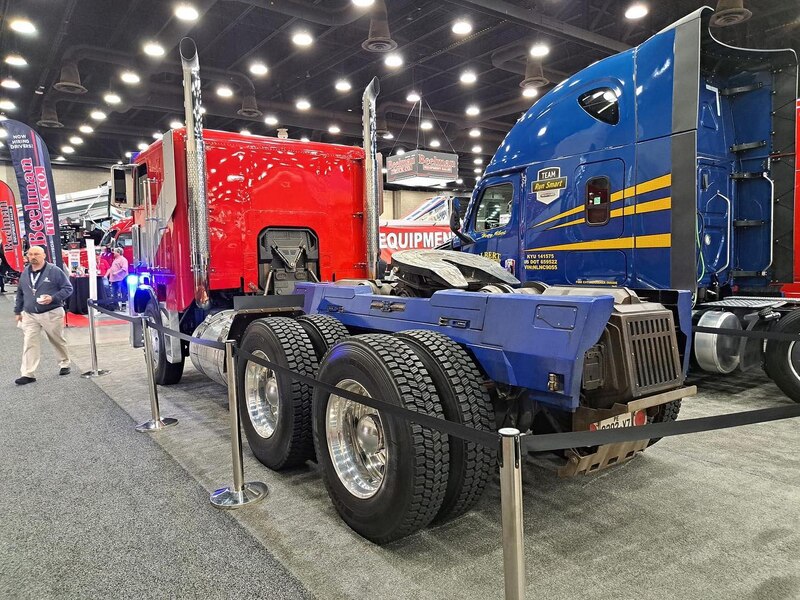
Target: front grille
<point>654,353</point>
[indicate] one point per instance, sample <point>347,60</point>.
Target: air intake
<point>730,12</point>
<point>380,38</point>
<point>534,75</point>
<point>249,107</point>
<point>70,81</point>
<point>49,117</point>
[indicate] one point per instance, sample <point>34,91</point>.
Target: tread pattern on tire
<point>474,410</point>
<point>431,449</point>
<point>300,357</point>
<point>329,329</point>
<point>667,413</point>
<point>169,373</point>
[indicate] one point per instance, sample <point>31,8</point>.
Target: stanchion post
<point>511,510</point>
<point>240,493</point>
<point>95,372</point>
<point>156,422</point>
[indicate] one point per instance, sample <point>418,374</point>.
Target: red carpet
<point>73,320</point>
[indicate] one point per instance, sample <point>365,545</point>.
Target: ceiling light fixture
<point>23,26</point>
<point>97,115</point>
<point>475,132</point>
<point>435,143</point>
<point>530,92</point>
<point>142,146</point>
<point>302,38</point>
<point>60,158</point>
<point>128,154</point>
<point>304,139</point>
<point>468,77</point>
<point>129,77</point>
<point>86,129</point>
<point>473,110</point>
<point>388,135</point>
<point>245,132</point>
<point>7,105</point>
<point>67,149</point>
<point>363,3</point>
<point>271,120</point>
<point>153,49</point>
<point>3,133</point>
<point>186,12</point>
<point>302,104</point>
<point>15,60</point>
<point>175,124</point>
<point>477,149</point>
<point>539,50</point>
<point>10,83</point>
<point>459,181</point>
<point>258,68</point>
<point>343,85</point>
<point>76,140</point>
<point>334,129</point>
<point>393,60</point>
<point>478,171</point>
<point>477,161</point>
<point>426,125</point>
<point>413,97</point>
<point>112,98</point>
<point>462,27</point>
<point>224,91</point>
<point>157,135</point>
<point>636,11</point>
<point>400,152</point>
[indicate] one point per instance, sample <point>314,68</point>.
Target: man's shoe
<point>24,380</point>
<point>64,371</point>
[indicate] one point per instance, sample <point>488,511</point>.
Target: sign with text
<point>37,193</point>
<point>9,228</point>
<point>421,167</point>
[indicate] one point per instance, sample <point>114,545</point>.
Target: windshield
<point>108,238</point>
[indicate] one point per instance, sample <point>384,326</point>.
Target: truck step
<point>745,146</point>
<point>747,175</point>
<point>749,223</point>
<point>755,302</point>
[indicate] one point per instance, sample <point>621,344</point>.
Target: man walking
<point>41,293</point>
<point>116,274</point>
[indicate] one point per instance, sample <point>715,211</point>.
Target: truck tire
<point>782,359</point>
<point>665,413</point>
<point>323,331</point>
<point>166,373</point>
<point>458,384</point>
<point>276,409</point>
<point>386,476</point>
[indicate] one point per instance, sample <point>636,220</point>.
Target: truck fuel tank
<point>210,361</point>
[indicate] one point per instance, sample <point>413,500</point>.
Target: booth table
<point>77,302</point>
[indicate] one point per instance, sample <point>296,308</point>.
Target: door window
<point>494,209</point>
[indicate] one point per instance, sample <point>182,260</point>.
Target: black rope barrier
<point>532,443</point>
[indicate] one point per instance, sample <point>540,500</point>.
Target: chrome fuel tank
<point>210,361</point>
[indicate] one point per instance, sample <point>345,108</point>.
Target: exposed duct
<point>380,38</point>
<point>729,12</point>
<point>49,116</point>
<point>249,107</point>
<point>534,75</point>
<point>70,80</point>
<point>196,172</point>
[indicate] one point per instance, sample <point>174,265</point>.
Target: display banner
<point>9,228</point>
<point>37,193</point>
<point>412,236</point>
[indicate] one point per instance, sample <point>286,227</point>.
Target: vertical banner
<point>37,193</point>
<point>9,228</point>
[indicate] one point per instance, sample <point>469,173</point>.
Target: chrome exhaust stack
<point>372,182</point>
<point>196,172</point>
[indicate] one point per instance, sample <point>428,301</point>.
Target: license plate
<point>634,419</point>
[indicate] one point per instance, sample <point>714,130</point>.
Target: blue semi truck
<point>636,189</point>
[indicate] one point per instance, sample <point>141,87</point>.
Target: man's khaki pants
<point>52,322</point>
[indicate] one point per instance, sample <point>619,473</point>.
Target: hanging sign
<point>421,168</point>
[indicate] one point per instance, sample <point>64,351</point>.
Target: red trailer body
<point>253,183</point>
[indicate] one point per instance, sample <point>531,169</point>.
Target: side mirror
<point>122,185</point>
<point>455,221</point>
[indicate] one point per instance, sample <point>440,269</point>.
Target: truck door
<point>714,227</point>
<point>494,221</point>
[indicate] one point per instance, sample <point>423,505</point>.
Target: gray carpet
<point>92,509</point>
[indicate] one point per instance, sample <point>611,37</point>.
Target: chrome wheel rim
<point>793,357</point>
<point>356,442</point>
<point>262,396</point>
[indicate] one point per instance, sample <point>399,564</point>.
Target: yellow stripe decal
<point>644,207</point>
<point>659,240</point>
<point>642,188</point>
